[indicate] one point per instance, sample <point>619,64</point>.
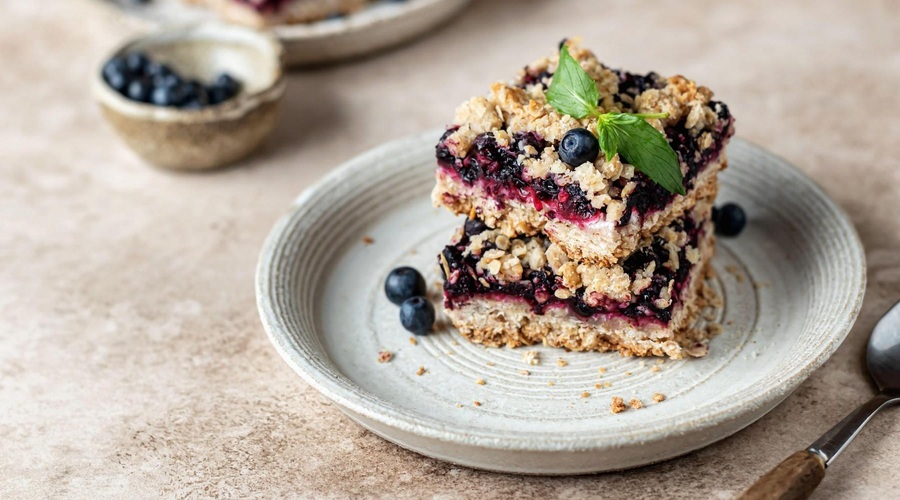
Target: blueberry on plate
<point>403,283</point>
<point>730,219</point>
<point>139,90</point>
<point>417,315</point>
<point>578,146</point>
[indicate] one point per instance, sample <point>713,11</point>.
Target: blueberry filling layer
<point>538,287</point>
<point>265,6</point>
<point>499,171</point>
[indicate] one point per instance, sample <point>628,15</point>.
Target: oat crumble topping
<point>636,404</point>
<point>659,398</point>
<point>531,358</point>
<point>561,362</point>
<point>617,405</point>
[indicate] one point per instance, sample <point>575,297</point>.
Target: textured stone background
<point>132,362</point>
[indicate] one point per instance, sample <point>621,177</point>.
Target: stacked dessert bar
<point>594,256</point>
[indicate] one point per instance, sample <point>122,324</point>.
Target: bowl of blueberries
<point>194,97</point>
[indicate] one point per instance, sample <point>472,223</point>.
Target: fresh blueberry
<point>137,62</point>
<point>161,96</point>
<point>730,219</point>
<point>155,68</point>
<point>417,315</point>
<point>114,66</point>
<point>139,90</point>
<point>403,283</point>
<point>166,80</point>
<point>216,95</point>
<point>474,226</point>
<point>173,95</point>
<point>196,93</point>
<point>578,146</point>
<point>227,82</point>
<point>116,74</point>
<point>118,81</point>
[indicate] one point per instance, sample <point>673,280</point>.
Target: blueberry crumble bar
<point>263,13</point>
<point>522,290</point>
<point>500,160</point>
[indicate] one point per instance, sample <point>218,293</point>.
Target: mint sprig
<point>573,92</point>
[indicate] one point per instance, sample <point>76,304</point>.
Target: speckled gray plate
<point>381,25</point>
<point>793,283</point>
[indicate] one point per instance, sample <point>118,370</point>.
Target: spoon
<point>800,473</point>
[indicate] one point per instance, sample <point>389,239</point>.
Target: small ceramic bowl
<point>209,137</point>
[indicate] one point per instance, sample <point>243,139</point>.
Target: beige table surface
<point>132,361</point>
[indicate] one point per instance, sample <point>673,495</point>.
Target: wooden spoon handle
<point>793,479</point>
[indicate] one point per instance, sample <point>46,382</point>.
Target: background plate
<point>793,283</point>
<point>381,25</point>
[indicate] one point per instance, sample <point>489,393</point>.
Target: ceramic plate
<point>793,282</point>
<point>381,25</point>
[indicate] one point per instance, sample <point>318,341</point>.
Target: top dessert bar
<point>499,162</point>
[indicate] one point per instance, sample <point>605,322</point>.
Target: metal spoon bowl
<point>799,474</point>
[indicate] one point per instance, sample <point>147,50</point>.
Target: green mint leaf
<point>641,145</point>
<point>572,91</point>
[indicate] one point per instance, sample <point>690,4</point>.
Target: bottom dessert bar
<point>524,290</point>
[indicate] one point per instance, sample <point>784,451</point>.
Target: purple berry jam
<point>265,6</point>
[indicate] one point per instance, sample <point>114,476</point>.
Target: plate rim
<point>381,410</point>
